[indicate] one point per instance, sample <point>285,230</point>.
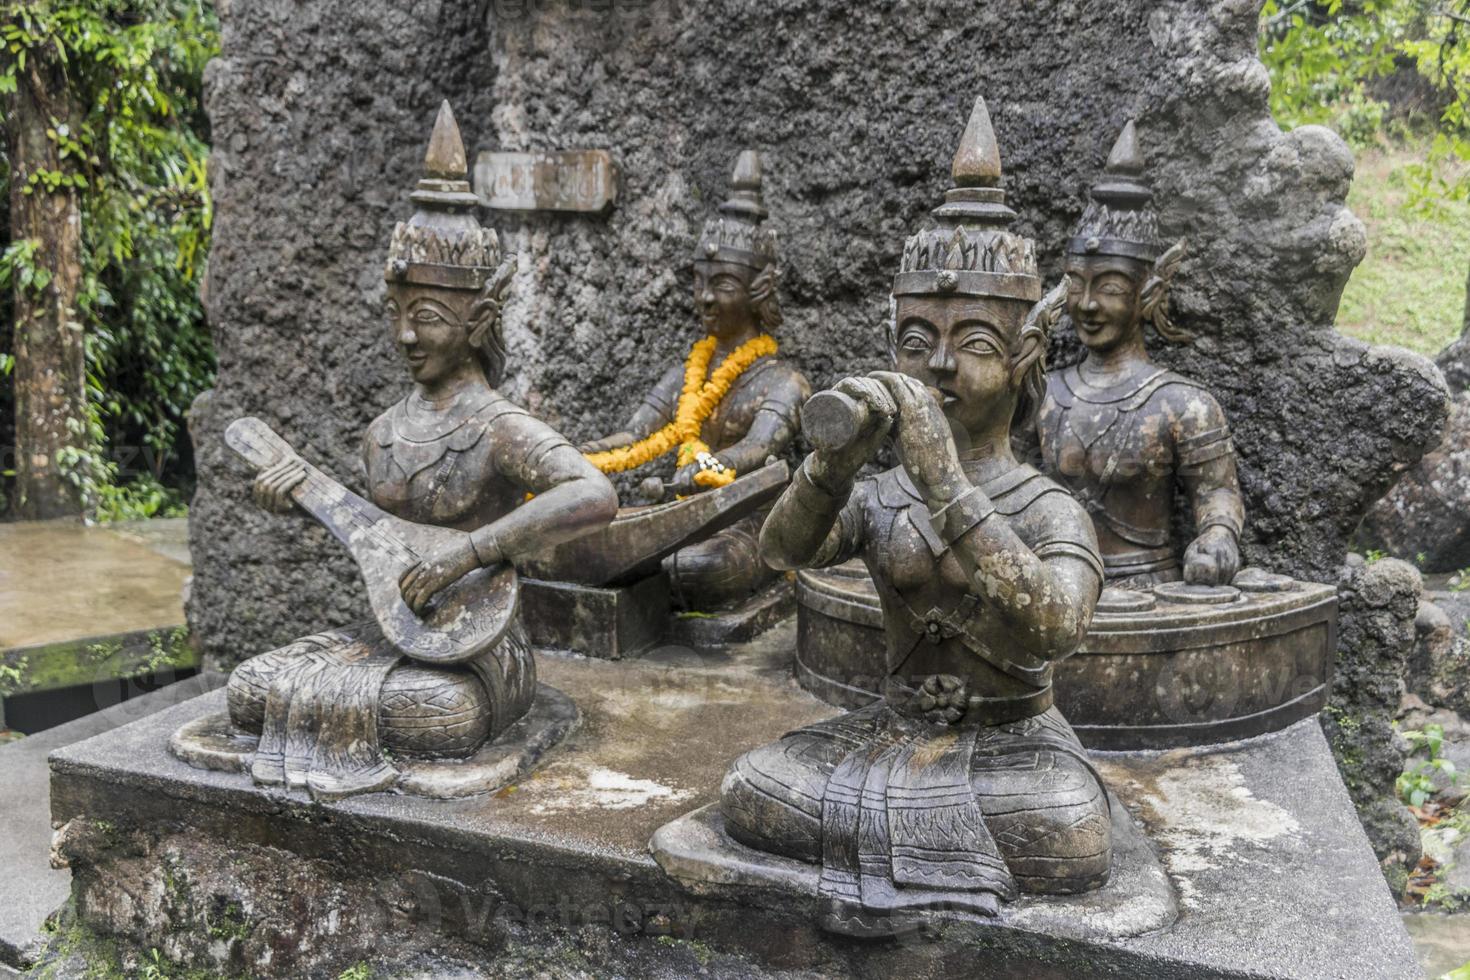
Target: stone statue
<point>732,406</point>
<point>962,785</point>
<point>341,711</point>
<point>1122,433</point>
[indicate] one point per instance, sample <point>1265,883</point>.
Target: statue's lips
<point>416,360</point>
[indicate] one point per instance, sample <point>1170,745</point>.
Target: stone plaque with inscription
<point>570,180</point>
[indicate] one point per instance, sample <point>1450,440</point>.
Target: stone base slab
<point>1260,843</point>
<point>211,741</point>
<point>1138,898</point>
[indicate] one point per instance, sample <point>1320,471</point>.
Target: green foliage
<point>1415,785</point>
<point>358,971</point>
<point>1324,55</point>
<point>1410,288</point>
<point>137,156</point>
<point>1373,555</point>
<point>1321,58</point>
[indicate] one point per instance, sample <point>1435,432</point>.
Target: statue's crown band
<point>1116,247</point>
<point>951,282</point>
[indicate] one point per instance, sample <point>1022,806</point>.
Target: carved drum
<point>1172,666</point>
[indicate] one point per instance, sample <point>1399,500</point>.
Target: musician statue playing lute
<point>452,454</point>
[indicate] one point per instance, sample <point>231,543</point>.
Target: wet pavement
<point>1442,942</point>
<point>62,581</point>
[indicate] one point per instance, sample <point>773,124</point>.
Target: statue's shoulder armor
<point>1011,493</point>
<point>1016,491</point>
<point>1066,388</point>
<point>475,413</point>
<point>1167,384</point>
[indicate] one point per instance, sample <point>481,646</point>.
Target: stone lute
<point>464,619</point>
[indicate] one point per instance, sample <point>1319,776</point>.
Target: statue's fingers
<point>874,393</point>
<point>903,389</point>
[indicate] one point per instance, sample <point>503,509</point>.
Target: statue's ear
<point>1036,332</point>
<point>1153,298</point>
<point>485,311</point>
<point>765,283</point>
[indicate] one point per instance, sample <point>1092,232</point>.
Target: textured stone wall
<point>321,111</point>
<point>1378,604</point>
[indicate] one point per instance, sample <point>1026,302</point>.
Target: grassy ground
<point>1410,289</point>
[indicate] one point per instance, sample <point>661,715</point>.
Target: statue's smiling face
<point>428,329</point>
<point>962,348</point>
<point>722,297</point>
<point>1102,299</point>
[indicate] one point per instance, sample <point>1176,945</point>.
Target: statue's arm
<point>570,496</point>
<point>814,523</point>
<point>1045,594</point>
<point>1206,468</point>
<point>658,406</point>
<point>774,427</point>
<point>653,413</point>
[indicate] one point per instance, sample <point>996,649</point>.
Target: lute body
<point>463,620</point>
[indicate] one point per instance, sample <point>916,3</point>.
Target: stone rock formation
<point>1379,602</point>
<point>1426,516</point>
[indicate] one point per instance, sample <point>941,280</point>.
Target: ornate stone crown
<point>736,234</point>
<point>1118,220</point>
<point>443,243</point>
<point>970,252</point>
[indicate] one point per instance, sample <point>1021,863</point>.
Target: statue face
<point>429,330</point>
<point>1102,299</point>
<point>722,297</point>
<point>962,347</point>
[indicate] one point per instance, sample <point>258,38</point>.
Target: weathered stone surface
<point>315,113</point>
<point>1439,669</point>
<point>1378,605</point>
<point>555,876</point>
<point>1427,513</point>
<point>30,889</point>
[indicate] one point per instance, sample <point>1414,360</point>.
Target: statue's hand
<point>1213,558</point>
<point>682,483</point>
<point>839,466</point>
<point>615,441</point>
<point>433,572</point>
<point>273,485</point>
<point>924,440</point>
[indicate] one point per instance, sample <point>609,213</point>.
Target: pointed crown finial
<point>445,158</point>
<point>1125,157</point>
<point>977,197</point>
<point>977,161</point>
<point>745,188</point>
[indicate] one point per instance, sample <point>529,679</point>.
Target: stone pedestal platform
<point>1260,846</point>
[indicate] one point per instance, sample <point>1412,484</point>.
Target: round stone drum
<point>1173,666</point>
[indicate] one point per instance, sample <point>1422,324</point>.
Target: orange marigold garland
<point>698,399</point>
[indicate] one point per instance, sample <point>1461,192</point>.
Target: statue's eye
<point>915,341</point>
<point>1074,283</point>
<point>982,344</point>
<point>427,314</point>
<point>1112,289</point>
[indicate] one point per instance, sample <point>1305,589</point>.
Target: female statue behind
<point>962,785</point>
<point>1122,433</point>
<point>334,712</point>
<point>748,417</point>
